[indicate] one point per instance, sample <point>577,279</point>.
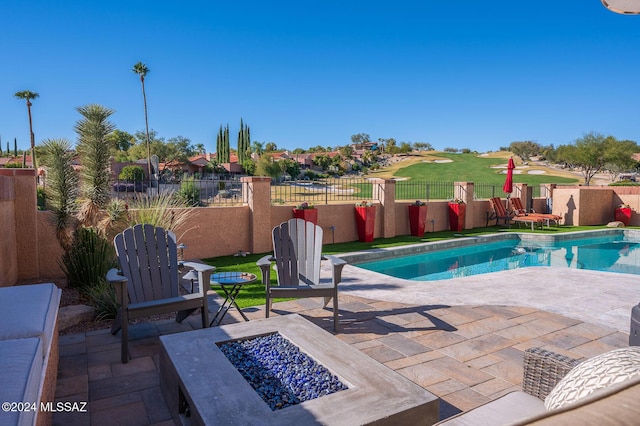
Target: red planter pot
<point>417,220</point>
<point>310,215</point>
<point>366,222</point>
<point>456,216</point>
<point>623,215</point>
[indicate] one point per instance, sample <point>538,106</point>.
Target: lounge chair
<point>147,282</point>
<point>520,211</point>
<point>500,212</point>
<point>297,252</point>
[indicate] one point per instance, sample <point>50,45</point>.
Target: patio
<point>465,354</point>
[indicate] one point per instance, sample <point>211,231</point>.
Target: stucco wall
<point>30,251</point>
<point>8,253</point>
<point>215,231</point>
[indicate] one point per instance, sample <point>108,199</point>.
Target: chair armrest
<point>337,264</point>
<point>543,370</point>
<point>204,275</point>
<point>119,281</point>
<point>264,263</point>
<point>199,266</point>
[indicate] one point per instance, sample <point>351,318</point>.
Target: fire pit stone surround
<point>197,378</point>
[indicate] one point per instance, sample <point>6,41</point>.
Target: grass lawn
<point>472,168</point>
<point>253,294</point>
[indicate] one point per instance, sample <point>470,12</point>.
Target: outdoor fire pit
<point>203,387</point>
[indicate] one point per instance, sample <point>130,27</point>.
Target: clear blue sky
<point>464,74</point>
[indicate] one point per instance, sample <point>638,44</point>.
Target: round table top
<point>232,278</point>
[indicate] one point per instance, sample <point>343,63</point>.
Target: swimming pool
<point>610,252</point>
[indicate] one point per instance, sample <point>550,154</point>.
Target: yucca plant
<point>62,187</point>
<point>87,261</point>
<point>94,153</point>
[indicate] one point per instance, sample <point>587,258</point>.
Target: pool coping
<point>354,258</point>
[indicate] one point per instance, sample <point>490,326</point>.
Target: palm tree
<point>142,70</point>
<point>28,95</point>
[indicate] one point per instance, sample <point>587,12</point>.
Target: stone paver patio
<point>465,354</point>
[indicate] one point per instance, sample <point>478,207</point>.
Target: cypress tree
<point>226,144</point>
<point>15,147</point>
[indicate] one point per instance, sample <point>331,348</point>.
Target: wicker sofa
<point>616,404</point>
<point>28,352</point>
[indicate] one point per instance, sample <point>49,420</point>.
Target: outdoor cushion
<point>595,373</point>
<point>21,372</point>
<point>29,311</point>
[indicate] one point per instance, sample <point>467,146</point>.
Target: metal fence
<point>322,191</point>
<point>422,190</point>
<point>227,190</point>
<point>220,190</point>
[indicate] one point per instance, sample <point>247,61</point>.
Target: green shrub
<point>87,261</point>
<point>189,192</point>
<point>13,166</point>
<point>625,183</point>
<point>134,173</point>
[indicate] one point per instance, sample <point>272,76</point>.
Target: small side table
<point>230,283</point>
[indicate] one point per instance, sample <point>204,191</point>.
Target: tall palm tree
<point>28,95</point>
<point>142,70</point>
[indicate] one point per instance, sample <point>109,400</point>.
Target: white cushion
<point>595,373</point>
<point>29,311</point>
<point>21,370</point>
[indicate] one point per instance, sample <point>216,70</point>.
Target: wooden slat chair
<point>147,282</point>
<point>297,253</point>
<point>519,210</point>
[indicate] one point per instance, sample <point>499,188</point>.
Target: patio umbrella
<point>508,182</point>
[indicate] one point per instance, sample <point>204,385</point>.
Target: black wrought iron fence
<point>484,191</point>
<point>425,191</point>
<point>322,191</point>
<point>215,191</point>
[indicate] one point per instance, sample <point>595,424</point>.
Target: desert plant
<point>93,149</point>
<point>87,261</point>
<point>62,187</point>
<point>116,219</point>
<point>103,298</point>
<point>164,209</point>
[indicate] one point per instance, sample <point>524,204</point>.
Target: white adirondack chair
<point>297,253</point>
<point>148,283</point>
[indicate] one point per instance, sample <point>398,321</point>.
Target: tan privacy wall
<point>29,250</point>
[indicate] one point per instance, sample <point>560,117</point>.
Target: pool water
<point>611,254</point>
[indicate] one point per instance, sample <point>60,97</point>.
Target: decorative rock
<point>279,372</point>
<point>615,224</point>
<point>74,314</point>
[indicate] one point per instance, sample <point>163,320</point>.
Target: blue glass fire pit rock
<point>278,371</point>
